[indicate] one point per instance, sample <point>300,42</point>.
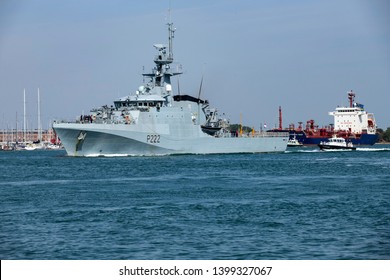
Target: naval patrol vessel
<point>154,121</point>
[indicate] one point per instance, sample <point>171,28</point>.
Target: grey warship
<point>154,121</point>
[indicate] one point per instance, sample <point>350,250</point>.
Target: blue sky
<point>255,55</point>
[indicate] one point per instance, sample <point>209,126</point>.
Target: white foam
<point>372,149</point>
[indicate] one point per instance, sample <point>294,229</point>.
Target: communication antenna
<point>178,86</point>
<point>200,88</point>
<point>200,91</point>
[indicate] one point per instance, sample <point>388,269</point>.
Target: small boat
<point>30,147</point>
<point>336,143</point>
<point>293,142</point>
<point>7,147</point>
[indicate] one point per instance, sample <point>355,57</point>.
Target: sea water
<point>301,204</point>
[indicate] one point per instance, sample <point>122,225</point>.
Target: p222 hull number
<point>153,138</point>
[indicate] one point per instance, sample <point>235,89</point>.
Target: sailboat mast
<point>24,115</point>
<point>39,118</point>
<point>16,137</point>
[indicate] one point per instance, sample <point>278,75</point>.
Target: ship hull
<point>325,147</point>
<point>364,139</point>
<point>108,139</point>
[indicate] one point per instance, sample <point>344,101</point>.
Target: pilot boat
<point>336,143</point>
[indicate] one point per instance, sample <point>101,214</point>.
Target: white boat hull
<point>325,147</point>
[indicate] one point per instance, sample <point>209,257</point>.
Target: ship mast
<point>351,97</point>
<point>171,31</point>
<point>160,77</point>
<point>280,118</point>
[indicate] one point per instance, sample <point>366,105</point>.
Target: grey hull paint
<point>154,121</point>
<point>104,140</point>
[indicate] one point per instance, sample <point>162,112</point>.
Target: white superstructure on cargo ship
<point>353,119</point>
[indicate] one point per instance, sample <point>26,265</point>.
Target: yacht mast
<point>16,137</point>
<point>39,118</point>
<point>24,115</point>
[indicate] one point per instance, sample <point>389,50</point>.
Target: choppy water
<point>302,204</point>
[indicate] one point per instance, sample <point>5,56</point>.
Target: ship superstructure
<point>353,120</point>
<point>154,121</point>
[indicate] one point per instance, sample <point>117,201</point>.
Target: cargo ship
<point>353,123</point>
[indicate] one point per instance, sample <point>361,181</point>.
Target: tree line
<point>384,136</point>
<point>237,127</point>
